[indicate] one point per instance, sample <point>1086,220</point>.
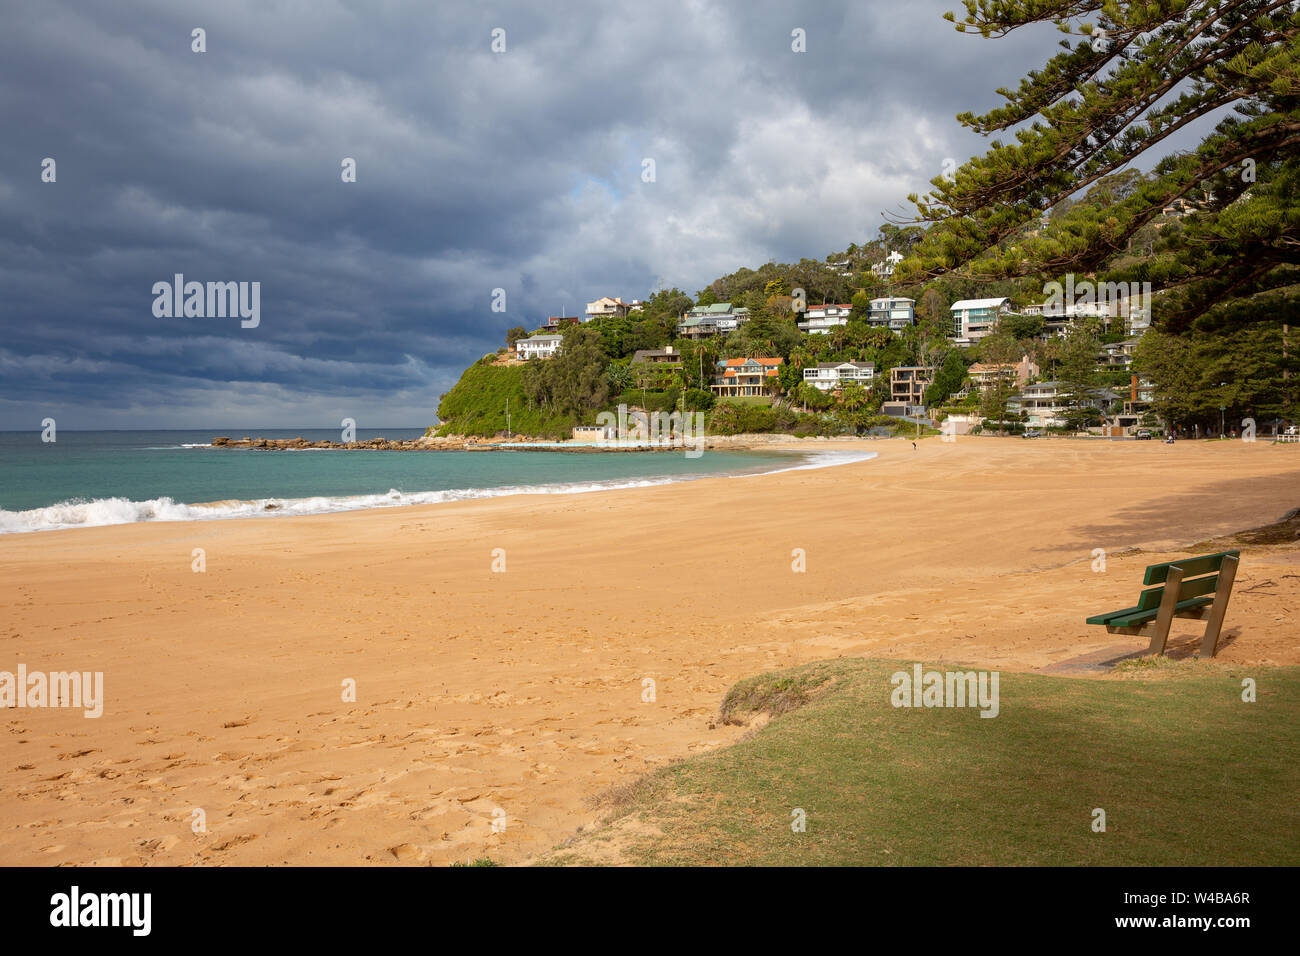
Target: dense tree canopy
<point>1138,73</point>
<point>1245,369</point>
<point>575,380</point>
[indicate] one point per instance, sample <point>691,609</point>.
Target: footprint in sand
<point>234,842</point>
<point>406,853</point>
<point>160,845</point>
<point>242,782</point>
<point>79,753</point>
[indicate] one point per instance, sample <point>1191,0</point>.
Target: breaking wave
<point>79,513</point>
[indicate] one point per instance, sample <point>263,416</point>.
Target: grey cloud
<point>475,171</point>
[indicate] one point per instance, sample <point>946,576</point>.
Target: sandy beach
<point>513,697</point>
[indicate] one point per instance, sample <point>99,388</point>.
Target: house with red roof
<point>739,377</point>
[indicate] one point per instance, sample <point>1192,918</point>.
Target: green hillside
<point>476,405</point>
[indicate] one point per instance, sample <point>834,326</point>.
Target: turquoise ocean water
<point>85,479</point>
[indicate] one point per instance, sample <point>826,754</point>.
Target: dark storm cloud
<point>475,171</point>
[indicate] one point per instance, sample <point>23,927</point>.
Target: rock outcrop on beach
<point>426,443</point>
<point>370,444</point>
<point>515,442</point>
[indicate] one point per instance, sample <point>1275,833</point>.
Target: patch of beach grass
<point>1187,773</point>
<point>773,694</point>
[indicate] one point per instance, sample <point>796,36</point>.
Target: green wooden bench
<point>1190,587</point>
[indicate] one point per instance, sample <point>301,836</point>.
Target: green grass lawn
<point>1187,773</point>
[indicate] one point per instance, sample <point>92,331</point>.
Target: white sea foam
<point>825,459</point>
<point>108,511</point>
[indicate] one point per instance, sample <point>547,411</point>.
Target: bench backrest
<point>1200,576</point>
<point>1205,564</point>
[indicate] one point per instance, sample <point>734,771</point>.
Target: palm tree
<point>879,337</point>
<point>854,400</point>
<point>620,377</point>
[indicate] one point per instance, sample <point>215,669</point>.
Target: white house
<point>1106,301</point>
<point>820,319</point>
<point>1139,320</point>
<point>1043,404</point>
<point>731,320</point>
<point>895,312</point>
<point>607,305</point>
<point>831,375</point>
<point>1072,310</point>
<point>973,319</point>
<point>885,268</point>
<point>538,346</point>
<point>1058,316</point>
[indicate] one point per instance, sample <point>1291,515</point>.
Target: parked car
<point>1143,434</point>
<point>1030,433</point>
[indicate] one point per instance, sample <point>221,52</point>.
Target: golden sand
<point>512,697</point>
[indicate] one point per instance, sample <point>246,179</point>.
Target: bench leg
<point>1227,573</point>
<point>1166,613</point>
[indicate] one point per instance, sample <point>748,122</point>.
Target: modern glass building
<point>972,319</point>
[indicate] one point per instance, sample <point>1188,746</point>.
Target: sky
<point>476,170</point>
